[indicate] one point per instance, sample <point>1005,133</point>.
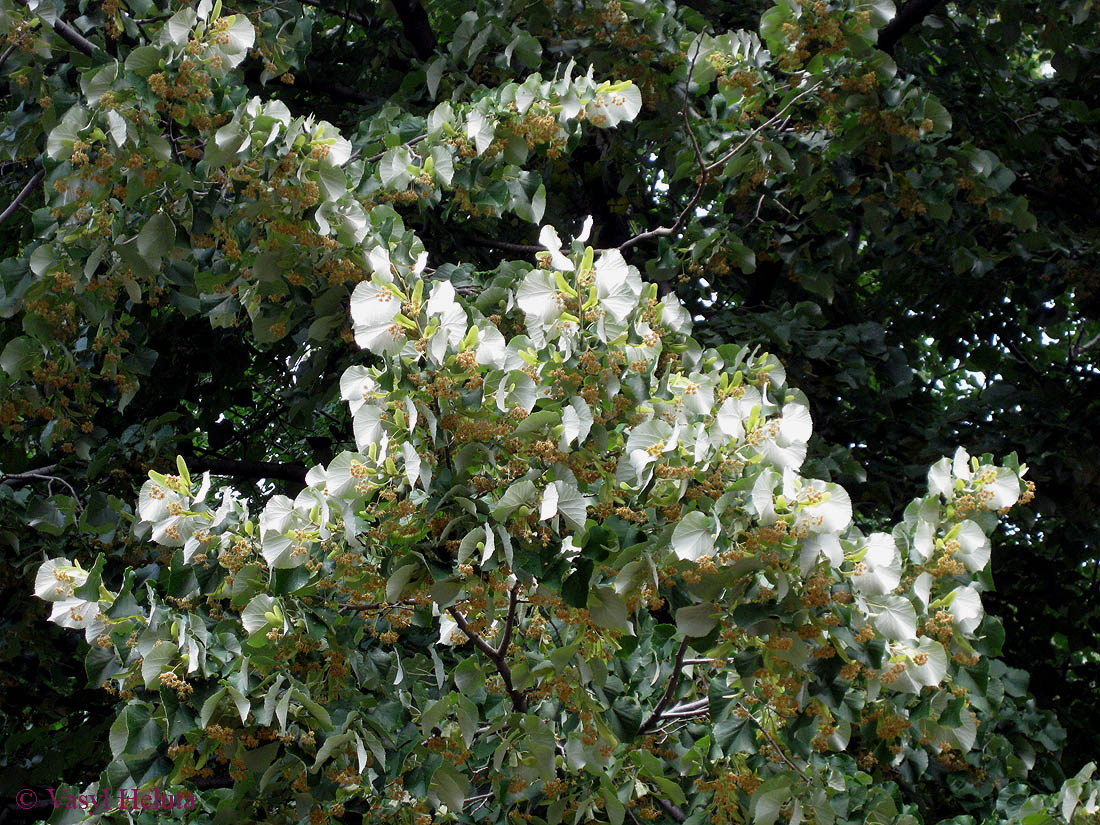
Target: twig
<point>7,53</point>
<point>704,176</point>
<point>508,246</point>
<point>1077,348</point>
<point>34,475</point>
<point>408,144</point>
<point>775,744</point>
<point>752,135</point>
<point>519,701</point>
<point>670,691</point>
<point>351,18</point>
<point>23,193</point>
<point>71,35</point>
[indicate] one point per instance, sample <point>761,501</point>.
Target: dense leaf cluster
<point>569,560</point>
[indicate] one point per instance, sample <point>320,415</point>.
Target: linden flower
<point>999,487</point>
<point>57,579</point>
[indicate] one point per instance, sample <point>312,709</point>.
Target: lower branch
<point>519,701</point>
<point>675,813</point>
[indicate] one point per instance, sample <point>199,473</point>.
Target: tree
<point>576,563</point>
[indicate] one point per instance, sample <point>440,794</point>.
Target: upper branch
<point>71,36</point>
<point>510,622</point>
<point>670,691</point>
<point>908,17</point>
<point>22,196</point>
<point>417,27</point>
<point>250,469</point>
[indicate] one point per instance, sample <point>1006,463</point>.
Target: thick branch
<point>250,469</point>
<point>908,17</point>
<point>71,36</point>
<point>22,196</point>
<point>519,701</point>
<point>670,691</point>
<point>417,27</point>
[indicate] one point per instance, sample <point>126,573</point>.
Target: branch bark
<point>71,36</point>
<point>670,691</point>
<point>675,813</point>
<point>507,246</point>
<point>351,18</point>
<point>510,622</point>
<point>519,701</point>
<point>22,196</point>
<point>417,27</point>
<point>250,469</point>
<point>908,17</point>
<point>18,479</point>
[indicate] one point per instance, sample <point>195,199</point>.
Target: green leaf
<point>698,619</point>
<point>608,610</point>
<point>19,355</point>
<point>450,786</point>
<point>692,537</point>
<point>155,663</point>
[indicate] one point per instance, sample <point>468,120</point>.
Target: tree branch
<point>250,469</point>
<point>704,175</point>
<point>670,809</point>
<point>774,744</point>
<point>15,479</point>
<point>519,701</point>
<point>507,246</point>
<point>71,35</point>
<point>670,691</point>
<point>7,53</point>
<point>510,622</point>
<point>417,27</point>
<point>351,18</point>
<point>908,17</point>
<point>22,196</point>
<point>708,169</point>
<point>42,474</point>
